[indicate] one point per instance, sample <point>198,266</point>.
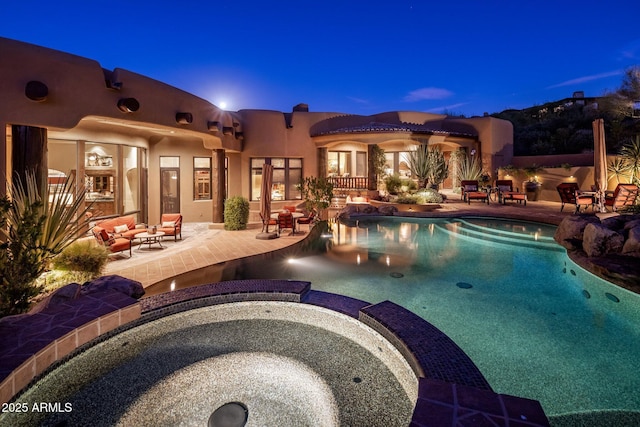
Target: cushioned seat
<point>623,195</point>
<point>115,244</point>
<point>171,224</point>
<point>122,226</point>
<point>470,192</point>
<point>570,193</point>
<point>506,192</point>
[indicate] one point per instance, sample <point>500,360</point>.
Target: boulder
<point>599,241</point>
<point>59,296</point>
<point>632,244</point>
<point>387,210</point>
<point>570,231</point>
<point>116,283</point>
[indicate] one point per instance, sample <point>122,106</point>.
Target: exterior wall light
<point>184,118</point>
<point>213,126</point>
<point>128,105</point>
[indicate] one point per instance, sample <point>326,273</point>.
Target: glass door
<point>169,190</point>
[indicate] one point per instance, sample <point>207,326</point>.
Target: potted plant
<point>532,184</point>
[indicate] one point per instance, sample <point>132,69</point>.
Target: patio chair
<point>171,224</point>
<point>266,222</point>
<point>285,220</point>
<point>470,192</point>
<point>623,195</point>
<point>506,192</point>
<point>114,244</point>
<point>307,219</point>
<point>570,193</point>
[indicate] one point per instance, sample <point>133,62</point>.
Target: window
<point>202,178</point>
<point>287,174</point>
<point>339,163</point>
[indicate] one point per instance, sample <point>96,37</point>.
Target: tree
<point>378,162</point>
<point>438,167</point>
<point>317,193</point>
<point>33,233</point>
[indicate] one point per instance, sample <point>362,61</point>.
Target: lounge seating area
<point>119,233</point>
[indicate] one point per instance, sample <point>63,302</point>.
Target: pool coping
<point>450,385</point>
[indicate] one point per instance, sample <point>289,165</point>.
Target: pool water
<point>536,324</point>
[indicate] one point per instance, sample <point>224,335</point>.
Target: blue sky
<point>359,57</point>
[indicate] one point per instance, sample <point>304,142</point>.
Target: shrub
<point>236,213</point>
<point>82,256</point>
<point>429,196</point>
<point>407,199</point>
<point>393,183</point>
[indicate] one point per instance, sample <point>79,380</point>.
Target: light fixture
<point>184,118</point>
<point>128,105</point>
<point>213,126</point>
<point>36,91</point>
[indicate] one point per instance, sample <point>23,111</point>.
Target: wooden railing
<point>349,183</point>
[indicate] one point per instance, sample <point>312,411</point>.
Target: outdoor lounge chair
<point>171,224</point>
<point>623,195</point>
<point>570,193</point>
<point>470,192</point>
<point>307,219</point>
<point>506,192</point>
<point>114,244</point>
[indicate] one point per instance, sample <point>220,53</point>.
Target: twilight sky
<point>360,57</point>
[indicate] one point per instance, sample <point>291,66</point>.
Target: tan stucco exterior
<point>83,106</point>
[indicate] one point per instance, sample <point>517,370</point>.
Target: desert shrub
<point>429,196</point>
<point>236,213</point>
<point>82,256</point>
<point>409,185</point>
<point>408,199</point>
<point>393,183</point>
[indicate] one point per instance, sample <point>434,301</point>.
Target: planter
<point>532,189</point>
<point>407,207</point>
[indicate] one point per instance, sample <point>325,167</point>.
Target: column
<point>322,162</point>
<point>372,184</point>
<point>29,154</point>
<point>218,184</point>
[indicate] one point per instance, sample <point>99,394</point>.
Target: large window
<point>287,174</point>
<point>202,178</point>
<point>111,173</point>
<point>339,163</point>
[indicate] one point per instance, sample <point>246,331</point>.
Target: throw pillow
<point>169,224</point>
<point>120,228</point>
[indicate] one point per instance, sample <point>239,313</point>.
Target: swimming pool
<point>536,324</point>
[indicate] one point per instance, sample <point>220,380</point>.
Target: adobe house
<point>143,147</point>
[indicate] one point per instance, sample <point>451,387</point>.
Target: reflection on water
<point>536,324</point>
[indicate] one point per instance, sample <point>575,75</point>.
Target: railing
<point>349,183</point>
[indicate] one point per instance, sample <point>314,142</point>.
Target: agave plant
<point>418,162</point>
<point>631,154</point>
<point>33,232</point>
<point>618,168</point>
<point>469,168</point>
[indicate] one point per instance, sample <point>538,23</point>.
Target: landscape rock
<point>116,283</point>
<point>59,296</point>
<point>632,244</point>
<point>599,240</point>
<point>569,233</point>
<point>387,210</point>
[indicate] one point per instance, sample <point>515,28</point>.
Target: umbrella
<point>600,162</point>
<point>265,196</point>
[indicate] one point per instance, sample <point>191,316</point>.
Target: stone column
<point>29,154</point>
<point>217,185</point>
<point>322,162</point>
<point>372,185</point>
